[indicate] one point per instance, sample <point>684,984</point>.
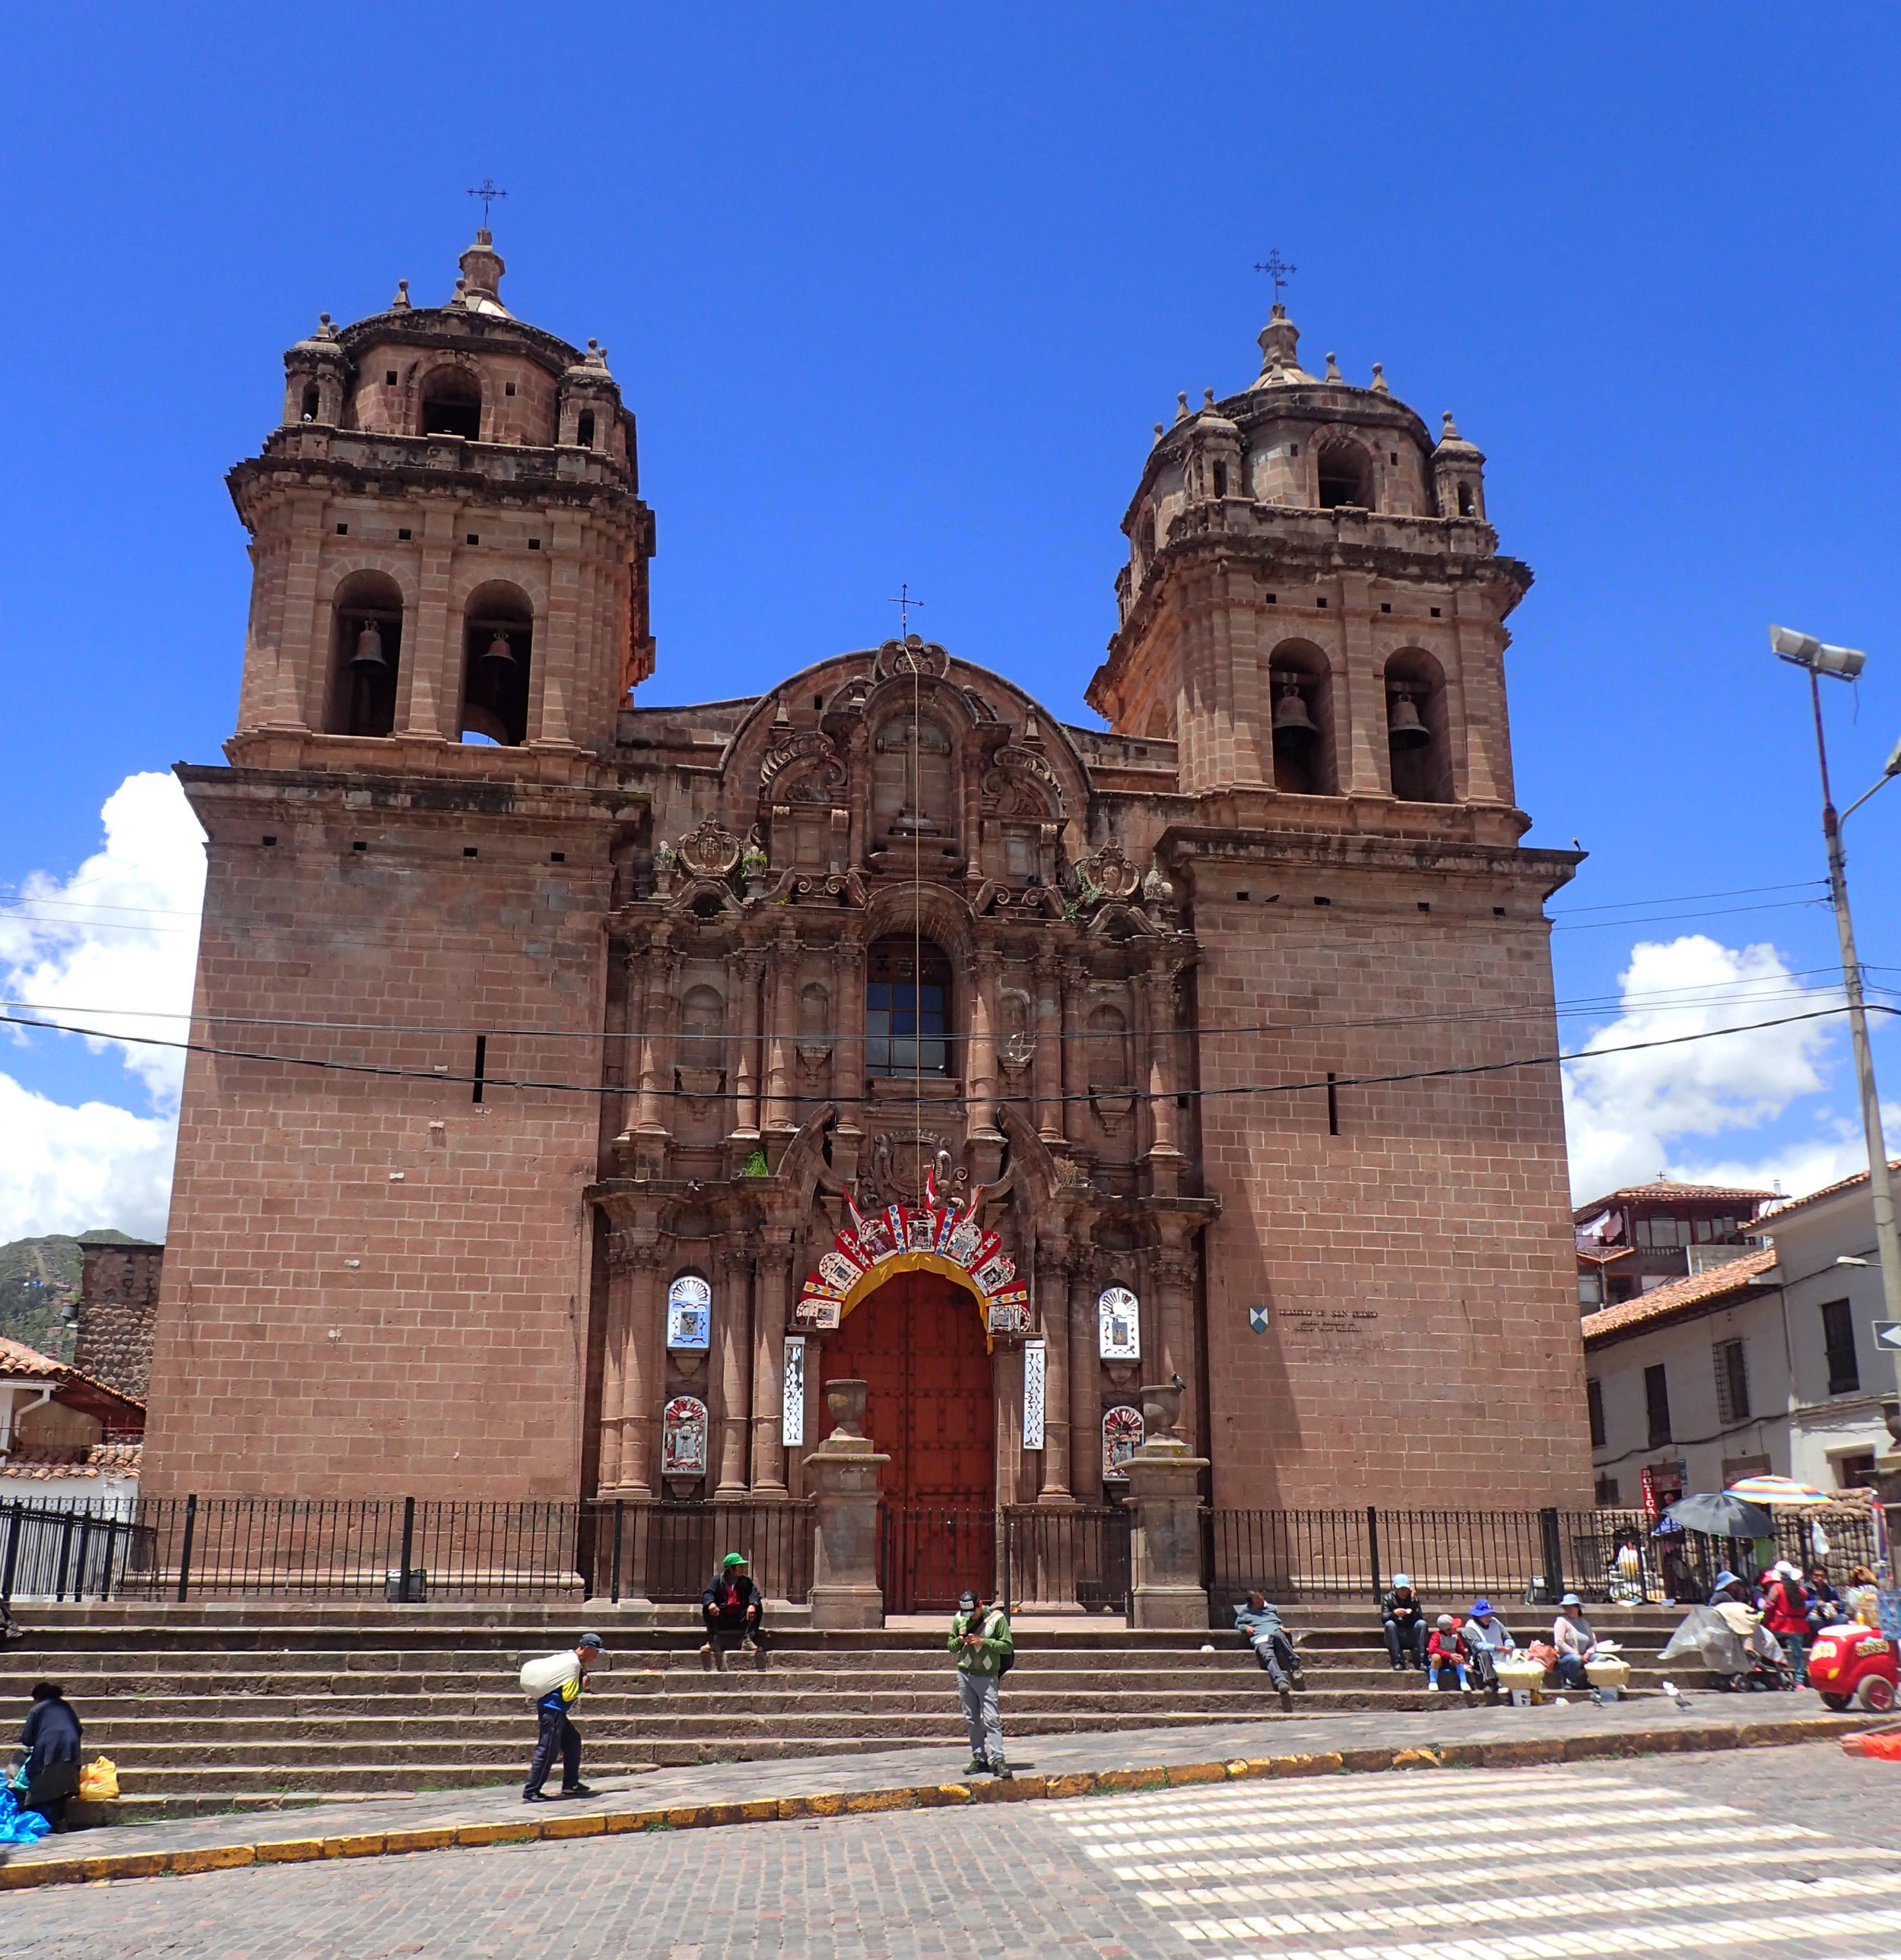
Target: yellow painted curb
<point>1505,1755</point>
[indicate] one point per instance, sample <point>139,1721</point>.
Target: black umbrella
<point>1716,1514</point>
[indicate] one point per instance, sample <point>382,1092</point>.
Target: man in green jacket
<point>980,1638</point>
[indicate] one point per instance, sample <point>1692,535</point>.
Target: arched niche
<point>366,653</point>
<point>497,652</point>
<point>1418,739</point>
<point>1343,474</point>
<point>913,775</point>
<point>1299,689</point>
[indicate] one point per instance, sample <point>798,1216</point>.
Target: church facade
<point>584,1084</point>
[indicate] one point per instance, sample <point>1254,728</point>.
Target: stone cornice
<point>1185,846</point>
<point>577,786</point>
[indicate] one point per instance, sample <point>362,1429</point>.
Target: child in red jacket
<point>1443,1650</point>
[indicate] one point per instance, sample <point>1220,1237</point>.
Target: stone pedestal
<point>842,1475</point>
<point>1165,1534</point>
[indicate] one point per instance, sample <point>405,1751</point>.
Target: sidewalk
<point>1072,1765</point>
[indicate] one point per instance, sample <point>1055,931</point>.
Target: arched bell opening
<point>1300,688</point>
<point>452,404</point>
<point>1417,737</point>
<point>498,643</point>
<point>366,650</point>
<point>1345,473</point>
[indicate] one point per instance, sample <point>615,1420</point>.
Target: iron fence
<point>928,1554</point>
<point>1056,1560</point>
<point>667,1551</point>
<point>49,1552</point>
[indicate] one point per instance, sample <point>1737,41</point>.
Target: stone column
<point>1047,1028</point>
<point>614,1358</point>
<point>555,669</point>
<point>433,686</point>
<point>633,1380</point>
<point>749,968</point>
<point>1164,1160</point>
<point>779,1030</point>
<point>1165,1536</point>
<point>1171,1270</point>
<point>1052,1301</point>
<point>843,1473</point>
<point>980,1077</point>
<point>769,1362</point>
<point>1085,1379</point>
<point>732,1333</point>
<point>653,974</point>
<point>1075,1071</point>
<point>848,1053</point>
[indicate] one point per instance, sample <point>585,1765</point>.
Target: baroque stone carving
<point>805,768</point>
<point>1107,874</point>
<point>913,654</point>
<point>711,851</point>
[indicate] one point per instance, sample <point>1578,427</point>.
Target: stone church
<point>585,1082</point>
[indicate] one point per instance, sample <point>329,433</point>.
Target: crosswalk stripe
<point>1218,1815</point>
<point>1610,1938</point>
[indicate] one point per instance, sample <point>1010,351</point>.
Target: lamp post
<point>1816,659</point>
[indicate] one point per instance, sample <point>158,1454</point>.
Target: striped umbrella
<point>1777,1491</point>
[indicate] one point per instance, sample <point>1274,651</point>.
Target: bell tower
<point>449,547</point>
<point>1314,609</point>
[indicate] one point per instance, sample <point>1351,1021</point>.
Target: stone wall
<point>117,1311</point>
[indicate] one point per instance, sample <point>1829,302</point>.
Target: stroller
<point>1730,1640</point>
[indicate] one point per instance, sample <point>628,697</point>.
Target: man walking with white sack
<point>554,1684</point>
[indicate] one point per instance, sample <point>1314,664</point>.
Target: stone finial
<point>1159,431</point>
<point>1181,406</point>
<point>1333,368</point>
<point>401,303</point>
<point>1208,401</point>
<point>1032,730</point>
<point>1450,432</point>
<point>781,719</point>
<point>1379,378</point>
<point>325,330</point>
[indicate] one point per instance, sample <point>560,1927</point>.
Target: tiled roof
<point>1794,1204</point>
<point>102,1459</point>
<point>1664,1187</point>
<point>1704,1290</point>
<point>16,1358</point>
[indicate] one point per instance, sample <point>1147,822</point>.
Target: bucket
<point>1521,1698</point>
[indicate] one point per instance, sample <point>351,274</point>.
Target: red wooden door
<point>919,1343</point>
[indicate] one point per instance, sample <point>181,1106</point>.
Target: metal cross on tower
<point>1279,270</point>
<point>487,191</point>
<point>905,603</point>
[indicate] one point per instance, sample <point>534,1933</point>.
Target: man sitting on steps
<point>1260,1627</point>
<point>733,1609</point>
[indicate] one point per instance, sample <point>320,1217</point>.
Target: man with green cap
<point>981,1639</point>
<point>733,1610</point>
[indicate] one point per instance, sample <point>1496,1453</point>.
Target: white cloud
<point>113,948</point>
<point>1628,1116</point>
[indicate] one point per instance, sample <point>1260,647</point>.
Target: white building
<point>1768,1362</point>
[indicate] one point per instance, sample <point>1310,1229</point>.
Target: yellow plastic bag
<point>99,1781</point>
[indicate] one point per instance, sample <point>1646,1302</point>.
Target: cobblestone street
<point>1791,1850</point>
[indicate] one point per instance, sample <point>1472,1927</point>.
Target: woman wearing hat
<point>1571,1635</point>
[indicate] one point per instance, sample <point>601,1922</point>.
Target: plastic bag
<point>544,1675</point>
<point>18,1826</point>
<point>99,1781</point>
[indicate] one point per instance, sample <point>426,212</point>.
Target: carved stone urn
<point>844,1400</point>
<point>1162,1414</point>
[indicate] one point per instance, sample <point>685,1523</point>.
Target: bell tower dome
<point>448,544</point>
<point>1314,609</point>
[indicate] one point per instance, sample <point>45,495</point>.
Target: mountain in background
<point>39,1281</point>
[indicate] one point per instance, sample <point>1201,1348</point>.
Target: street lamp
<point>1816,658</point>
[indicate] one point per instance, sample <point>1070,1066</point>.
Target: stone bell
<point>500,657</point>
<point>1293,727</point>
<point>1404,729</point>
<point>368,659</point>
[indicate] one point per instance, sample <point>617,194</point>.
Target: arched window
<point>1416,733</point>
<point>1465,499</point>
<point>911,778</point>
<point>452,404</point>
<point>312,400</point>
<point>1345,477</point>
<point>497,641</point>
<point>1300,687</point>
<point>907,1009</point>
<point>584,429</point>
<point>366,640</point>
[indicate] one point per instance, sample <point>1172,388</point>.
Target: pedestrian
<point>557,1681</point>
<point>1404,1619</point>
<point>51,1740</point>
<point>733,1610</point>
<point>1260,1627</point>
<point>1574,1640</point>
<point>980,1638</point>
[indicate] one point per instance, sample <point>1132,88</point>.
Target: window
<point>1465,499</point>
<point>1732,1382</point>
<point>452,404</point>
<point>584,429</point>
<point>1838,1338</point>
<point>1656,1404</point>
<point>1608,1498</point>
<point>311,400</point>
<point>1221,479</point>
<point>907,997</point>
<point>1594,1395</point>
<point>1855,1472</point>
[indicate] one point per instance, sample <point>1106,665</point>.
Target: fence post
<point>1372,1549</point>
<point>185,1550</point>
<point>1554,1540</point>
<point>112,1543</point>
<point>620,1512</point>
<point>409,1547</point>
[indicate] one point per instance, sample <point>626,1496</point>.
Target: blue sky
<point>896,295</point>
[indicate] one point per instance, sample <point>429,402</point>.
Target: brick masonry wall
<point>372,1285</point>
<point>118,1312</point>
<point>1422,1346</point>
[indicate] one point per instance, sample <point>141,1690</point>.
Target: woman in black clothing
<point>51,1737</point>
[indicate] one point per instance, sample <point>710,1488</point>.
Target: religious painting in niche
<point>1122,1436</point>
<point>683,1437</point>
<point>689,1314</point>
<point>792,1408</point>
<point>1035,1363</point>
<point>1119,1327</point>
